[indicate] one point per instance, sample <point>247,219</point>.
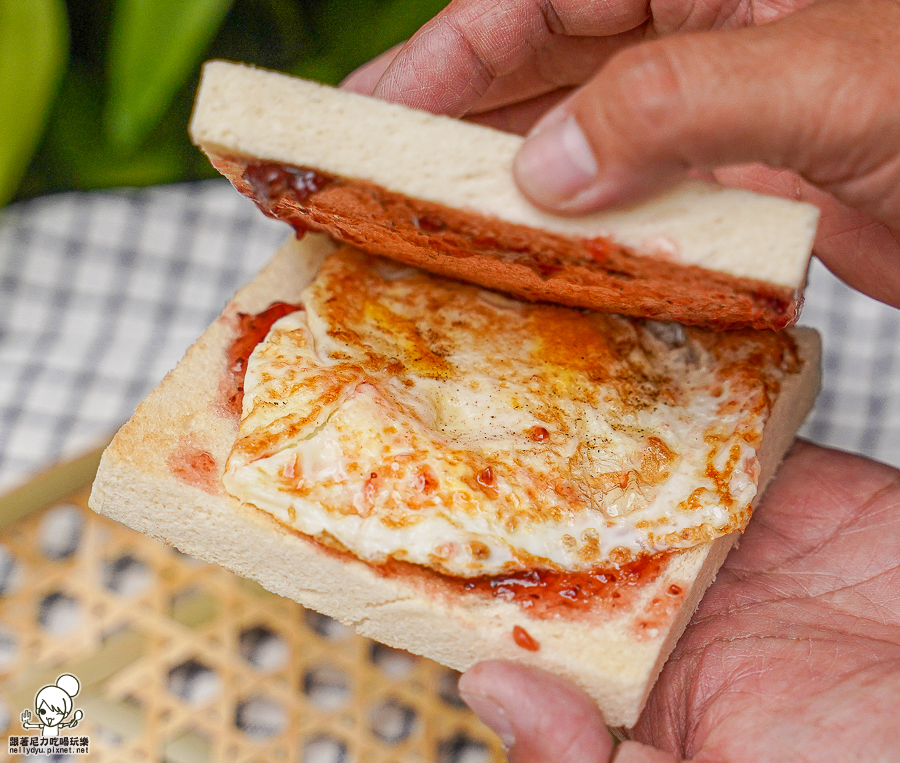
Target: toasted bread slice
<point>438,193</point>
<point>162,476</point>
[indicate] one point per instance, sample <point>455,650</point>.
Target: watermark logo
<point>52,706</point>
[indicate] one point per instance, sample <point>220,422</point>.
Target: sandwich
<point>441,451</point>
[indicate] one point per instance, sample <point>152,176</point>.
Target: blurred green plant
<point>152,46</point>
<point>33,51</point>
<point>97,93</point>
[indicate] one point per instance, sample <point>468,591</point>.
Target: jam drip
<point>251,330</point>
<point>524,639</point>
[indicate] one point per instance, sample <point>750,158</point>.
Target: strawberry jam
<point>270,181</point>
<point>524,639</point>
<point>250,331</point>
<point>548,593</point>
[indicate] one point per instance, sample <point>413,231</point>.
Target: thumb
<point>540,717</point>
<point>813,92</point>
<point>635,752</point>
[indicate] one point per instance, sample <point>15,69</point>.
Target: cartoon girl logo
<point>53,704</point>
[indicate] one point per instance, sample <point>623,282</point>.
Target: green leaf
<point>75,155</point>
<point>155,46</point>
<point>33,51</point>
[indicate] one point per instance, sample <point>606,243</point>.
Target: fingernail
<point>493,715</point>
<point>556,166</point>
<point>555,116</point>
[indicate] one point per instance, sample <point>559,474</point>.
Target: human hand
<point>787,97</point>
<point>793,654</point>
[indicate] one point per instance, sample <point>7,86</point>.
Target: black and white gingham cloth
<point>101,294</point>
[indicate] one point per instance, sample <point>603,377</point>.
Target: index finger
<point>449,64</point>
<point>364,79</point>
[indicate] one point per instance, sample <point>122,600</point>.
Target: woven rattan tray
<point>183,662</point>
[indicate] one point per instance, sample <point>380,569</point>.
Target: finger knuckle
<point>652,89</point>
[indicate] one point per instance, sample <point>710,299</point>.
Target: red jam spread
<point>250,331</point>
<point>546,593</point>
<point>581,272</point>
<point>282,190</point>
<point>194,465</point>
<point>271,181</point>
<point>430,223</point>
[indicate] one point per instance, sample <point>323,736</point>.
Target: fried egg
<point>401,415</point>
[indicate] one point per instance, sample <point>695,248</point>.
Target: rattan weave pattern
<point>181,661</point>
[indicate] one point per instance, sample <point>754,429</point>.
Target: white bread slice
<point>161,476</point>
<point>425,189</point>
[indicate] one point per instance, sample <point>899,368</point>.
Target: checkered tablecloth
<point>101,293</point>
